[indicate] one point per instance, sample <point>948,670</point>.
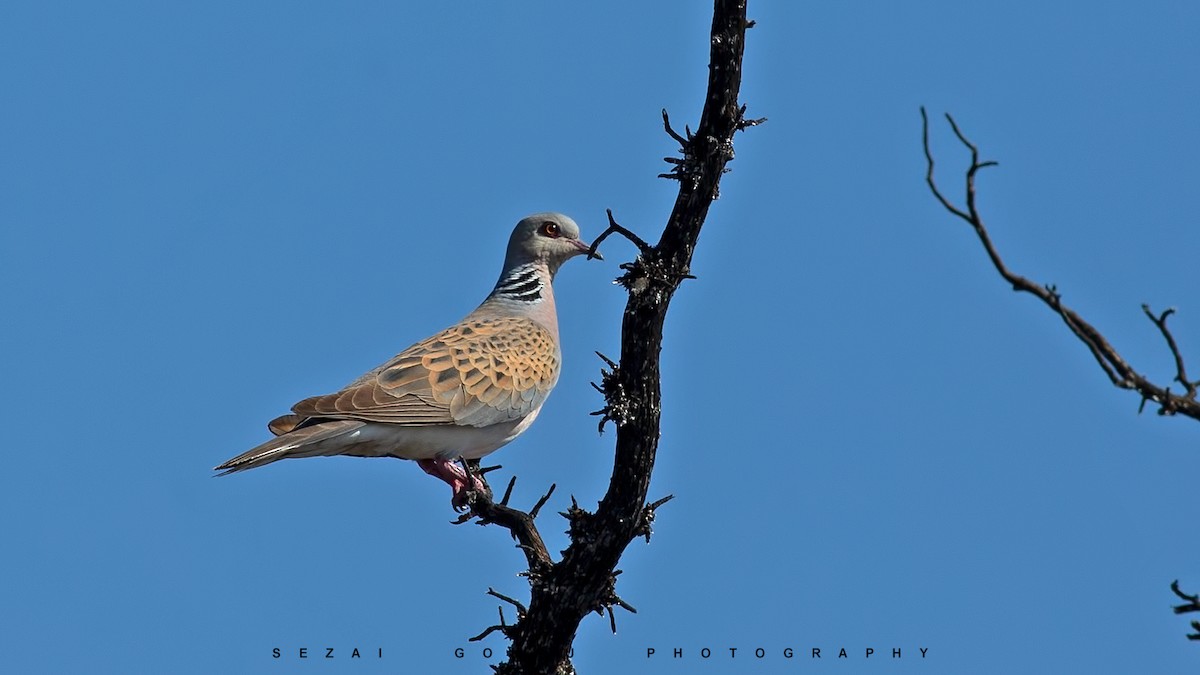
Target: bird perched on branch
<point>456,395</point>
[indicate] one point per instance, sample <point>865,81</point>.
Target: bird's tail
<point>302,442</point>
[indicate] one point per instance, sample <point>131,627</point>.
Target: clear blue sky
<point>212,210</point>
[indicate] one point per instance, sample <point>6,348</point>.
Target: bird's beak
<point>586,248</point>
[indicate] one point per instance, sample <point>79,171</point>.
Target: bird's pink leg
<point>455,477</point>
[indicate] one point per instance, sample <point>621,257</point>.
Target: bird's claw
<point>463,480</point>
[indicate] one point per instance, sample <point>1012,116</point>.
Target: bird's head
<point>551,238</point>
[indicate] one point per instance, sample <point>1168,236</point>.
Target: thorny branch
<point>614,409</point>
<point>519,523</point>
<point>1119,372</point>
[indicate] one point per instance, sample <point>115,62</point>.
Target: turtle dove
<point>457,395</point>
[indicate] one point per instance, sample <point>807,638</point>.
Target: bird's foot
<point>461,480</point>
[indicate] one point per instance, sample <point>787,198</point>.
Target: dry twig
<point>1118,371</point>
<point>1192,605</point>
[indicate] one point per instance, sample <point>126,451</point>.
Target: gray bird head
<point>545,237</point>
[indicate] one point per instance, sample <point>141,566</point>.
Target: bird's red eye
<point>551,229</point>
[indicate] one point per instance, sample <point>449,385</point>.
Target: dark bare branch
<point>521,609</point>
<point>502,627</point>
<point>1192,605</point>
<point>508,491</point>
<point>744,122</point>
<point>614,227</point>
<point>646,528</point>
<point>1180,369</point>
<point>660,502</point>
<point>683,142</point>
<point>533,513</point>
<point>519,523</point>
<point>1118,371</point>
<point>489,630</point>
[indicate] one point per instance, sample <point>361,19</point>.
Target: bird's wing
<point>476,373</point>
<point>284,423</point>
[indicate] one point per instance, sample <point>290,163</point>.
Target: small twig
<point>508,491</point>
<point>488,631</point>
<point>1193,605</point>
<point>519,523</point>
<point>686,166</point>
<point>642,246</point>
<point>744,123</point>
<point>1180,371</point>
<point>660,502</point>
<point>503,627</point>
<point>929,170</point>
<point>611,364</point>
<point>611,599</point>
<point>533,513</point>
<point>645,528</point>
<point>1193,601</point>
<point>625,605</point>
<point>521,609</point>
<point>683,142</point>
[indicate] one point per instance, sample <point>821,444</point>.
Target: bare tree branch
<point>1118,371</point>
<point>519,523</point>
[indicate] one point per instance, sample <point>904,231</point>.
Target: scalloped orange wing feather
<point>478,373</point>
